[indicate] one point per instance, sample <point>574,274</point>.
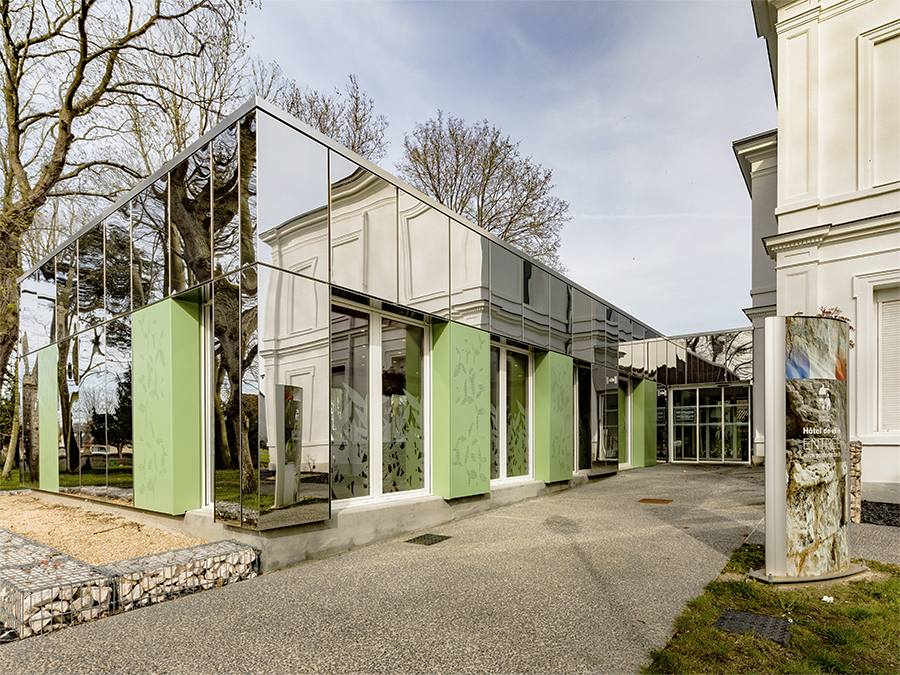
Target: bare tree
<point>347,116</point>
<point>479,173</point>
<point>65,73</point>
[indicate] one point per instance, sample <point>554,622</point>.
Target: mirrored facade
<point>300,295</point>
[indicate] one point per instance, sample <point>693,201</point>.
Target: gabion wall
<point>154,578</point>
<point>42,589</point>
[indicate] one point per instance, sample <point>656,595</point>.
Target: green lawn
<point>12,483</point>
<point>857,633</point>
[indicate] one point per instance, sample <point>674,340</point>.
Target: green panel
<point>166,403</point>
<point>554,417</point>
<point>643,420</point>
<point>48,420</point>
<point>461,425</point>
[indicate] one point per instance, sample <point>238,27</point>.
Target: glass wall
<point>323,276</point>
<point>712,424</point>
<point>510,413</point>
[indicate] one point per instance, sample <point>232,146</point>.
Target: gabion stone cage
<point>42,589</point>
<point>154,578</point>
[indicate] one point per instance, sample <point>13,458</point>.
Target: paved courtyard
<point>585,581</point>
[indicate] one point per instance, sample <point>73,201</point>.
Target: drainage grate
<point>647,500</point>
<point>770,627</point>
<point>427,539</point>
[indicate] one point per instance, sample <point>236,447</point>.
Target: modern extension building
<point>273,339</point>
<point>825,188</point>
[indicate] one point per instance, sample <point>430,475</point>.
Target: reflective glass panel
<point>496,450</point>
<point>118,262</point>
<point>662,425</point>
<point>37,309</point>
<point>536,304</point>
<point>231,438</point>
<point>293,200</point>
<point>293,400</point>
<point>119,417</point>
<point>363,230</point>
<point>611,343</point>
<point>402,429</point>
<point>74,423</point>
<point>561,310</point>
<point>609,424</point>
<point>90,416</point>
<point>585,433</point>
<point>349,403</point>
<point>66,285</point>
<point>470,276</point>
<point>190,191</point>
<point>424,257</point>
<point>91,282</point>
<point>29,440</point>
<point>582,312</point>
<point>249,173</point>
<point>226,202</point>
<point>684,411</point>
<point>252,501</point>
<point>150,244</point>
<point>517,414</point>
<point>506,292</point>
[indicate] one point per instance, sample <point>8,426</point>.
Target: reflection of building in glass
<point>270,331</point>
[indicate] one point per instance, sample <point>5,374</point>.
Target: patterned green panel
<point>48,420</point>
<point>166,403</point>
<point>461,426</point>
<point>554,417</point>
<point>643,420</point>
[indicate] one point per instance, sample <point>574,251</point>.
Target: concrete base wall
<point>349,527</point>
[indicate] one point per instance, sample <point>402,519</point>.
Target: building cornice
<point>753,149</point>
<point>811,236</point>
<point>760,312</point>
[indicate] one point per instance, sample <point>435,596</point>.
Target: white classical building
<point>825,188</point>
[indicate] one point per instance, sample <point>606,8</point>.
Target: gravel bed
<point>90,536</point>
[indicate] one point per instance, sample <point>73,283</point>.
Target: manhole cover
<point>427,539</point>
<point>647,500</point>
<point>770,627</point>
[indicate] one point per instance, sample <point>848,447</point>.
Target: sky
<point>633,104</point>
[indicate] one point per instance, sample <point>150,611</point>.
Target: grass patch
<point>857,633</point>
<point>13,482</point>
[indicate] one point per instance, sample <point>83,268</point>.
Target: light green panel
<point>554,417</point>
<point>167,407</point>
<point>461,424</point>
<point>643,420</point>
<point>48,418</point>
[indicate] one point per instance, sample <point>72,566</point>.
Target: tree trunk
<point>249,484</point>
<point>14,436</point>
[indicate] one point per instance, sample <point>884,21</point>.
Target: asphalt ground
<point>585,581</point>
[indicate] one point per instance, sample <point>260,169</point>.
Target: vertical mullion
<point>501,409</point>
<point>375,421</point>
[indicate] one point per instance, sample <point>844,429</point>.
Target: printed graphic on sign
<point>817,447</point>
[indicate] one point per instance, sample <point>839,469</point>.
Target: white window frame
<point>375,426</point>
<point>501,412</point>
<point>864,409</point>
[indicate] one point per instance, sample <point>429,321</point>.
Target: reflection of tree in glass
<point>118,263</point>
<point>190,192</point>
<point>150,237</point>
<point>90,287</point>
